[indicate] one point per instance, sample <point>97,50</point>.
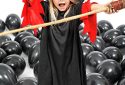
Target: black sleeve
<point>45,5</point>
<point>78,7</point>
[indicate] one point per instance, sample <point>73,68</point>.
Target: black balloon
<point>13,22</point>
<point>114,53</point>
<point>27,43</point>
<point>3,39</point>
<point>16,62</point>
<point>27,81</point>
<point>7,75</point>
<point>35,69</point>
<point>96,79</point>
<point>119,42</point>
<point>94,58</point>
<point>111,69</point>
<point>3,54</point>
<point>2,25</point>
<point>99,44</point>
<point>121,28</point>
<point>87,48</point>
<point>34,54</point>
<point>12,47</point>
<point>104,26</point>
<point>21,35</point>
<point>110,35</point>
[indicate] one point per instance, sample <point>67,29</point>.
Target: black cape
<point>61,61</point>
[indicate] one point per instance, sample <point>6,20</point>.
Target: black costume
<point>61,60</point>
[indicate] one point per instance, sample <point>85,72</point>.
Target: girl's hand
<point>110,9</point>
<point>115,5</point>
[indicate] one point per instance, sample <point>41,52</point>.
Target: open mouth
<point>61,4</point>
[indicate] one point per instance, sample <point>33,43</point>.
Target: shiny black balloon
<point>94,58</point>
<point>121,82</point>
<point>13,22</point>
<point>113,53</point>
<point>96,79</point>
<point>3,54</point>
<point>35,69</point>
<point>99,44</point>
<point>7,75</point>
<point>121,28</point>
<point>27,81</point>
<point>111,69</point>
<point>87,48</point>
<point>3,39</point>
<point>27,43</point>
<point>104,26</point>
<point>110,35</point>
<point>34,54</point>
<point>21,35</point>
<point>16,62</point>
<point>119,42</point>
<point>12,47</point>
<point>2,25</point>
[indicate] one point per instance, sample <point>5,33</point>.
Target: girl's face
<point>61,5</point>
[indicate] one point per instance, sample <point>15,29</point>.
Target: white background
<point>15,6</point>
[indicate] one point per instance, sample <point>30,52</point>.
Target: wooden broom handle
<point>54,22</point>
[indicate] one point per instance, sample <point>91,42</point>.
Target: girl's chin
<point>62,9</point>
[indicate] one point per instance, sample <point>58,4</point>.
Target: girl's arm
<point>97,6</point>
<point>112,7</point>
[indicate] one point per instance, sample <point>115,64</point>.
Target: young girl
<point>61,61</point>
